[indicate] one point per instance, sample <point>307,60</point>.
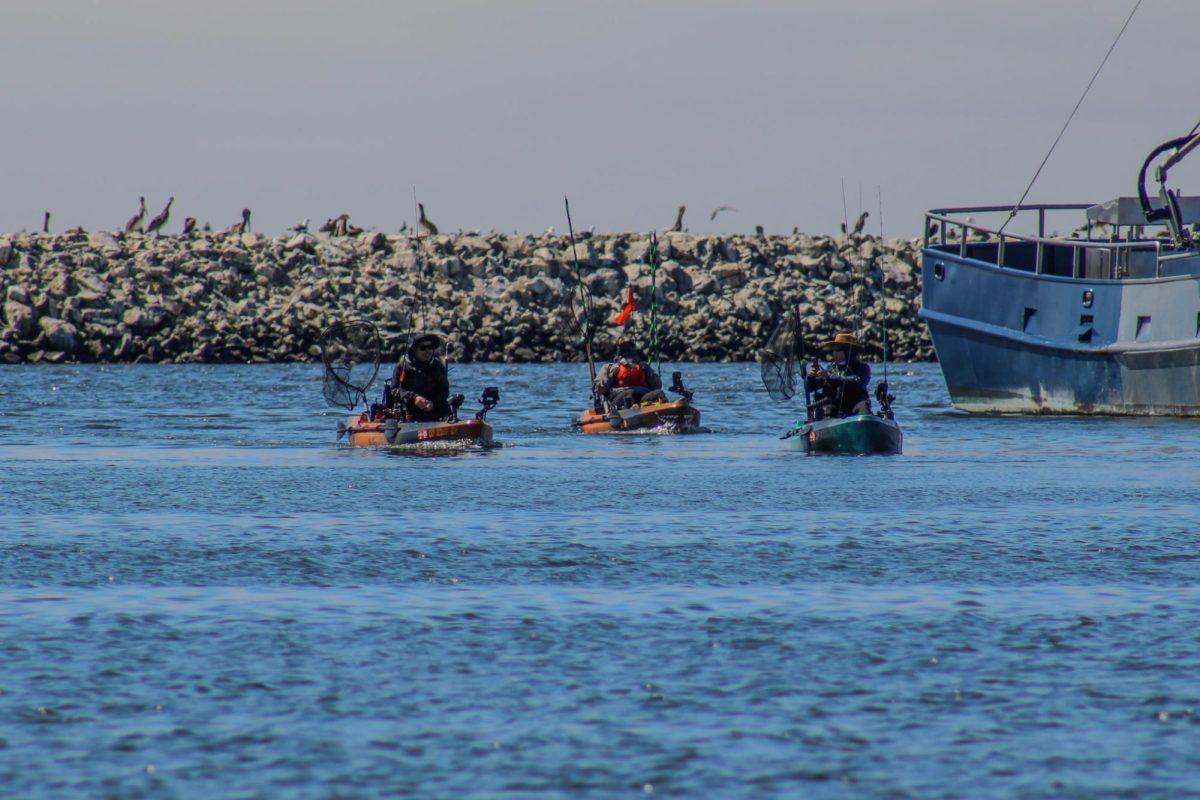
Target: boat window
<point>939,270</point>
<point>1030,323</point>
<point>1143,329</point>
<point>1085,331</point>
<point>1088,297</point>
<point>1198,325</point>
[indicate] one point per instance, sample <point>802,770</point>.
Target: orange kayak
<point>676,416</point>
<point>363,432</point>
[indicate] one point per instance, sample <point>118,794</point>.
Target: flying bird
<point>135,222</point>
<point>300,227</point>
<point>718,210</point>
<point>161,218</point>
<point>678,226</point>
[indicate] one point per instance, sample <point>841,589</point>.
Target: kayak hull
<point>676,416</point>
<point>862,434</point>
<point>363,432</point>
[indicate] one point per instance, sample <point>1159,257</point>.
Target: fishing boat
<point>652,411</point>
<point>823,430</point>
<point>351,353</point>
<point>1105,320</point>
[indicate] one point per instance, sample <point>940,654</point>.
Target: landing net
<point>351,352</point>
<point>777,360</point>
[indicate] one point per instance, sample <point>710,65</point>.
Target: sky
<point>491,111</point>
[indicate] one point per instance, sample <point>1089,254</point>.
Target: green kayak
<point>863,434</point>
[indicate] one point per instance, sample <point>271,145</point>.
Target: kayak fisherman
<point>420,385</point>
<point>841,388</point>
<point>627,380</point>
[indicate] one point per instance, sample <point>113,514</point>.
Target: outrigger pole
<point>587,316</point>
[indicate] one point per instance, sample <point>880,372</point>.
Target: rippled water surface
<point>204,595</point>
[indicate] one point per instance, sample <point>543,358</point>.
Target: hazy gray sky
<point>492,111</point>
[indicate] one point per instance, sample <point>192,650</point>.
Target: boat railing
<point>1110,259</point>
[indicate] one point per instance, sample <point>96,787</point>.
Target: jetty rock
<point>220,297</point>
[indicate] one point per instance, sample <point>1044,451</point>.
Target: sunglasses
<point>428,347</point>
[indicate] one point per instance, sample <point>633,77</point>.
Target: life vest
<point>631,374</point>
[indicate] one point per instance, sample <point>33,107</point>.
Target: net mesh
<point>351,352</point>
<point>777,360</point>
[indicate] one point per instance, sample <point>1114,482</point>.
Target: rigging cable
<point>1095,75</point>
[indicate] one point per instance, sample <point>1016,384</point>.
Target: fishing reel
<point>678,388</point>
<point>885,399</point>
<point>455,403</point>
<point>489,399</point>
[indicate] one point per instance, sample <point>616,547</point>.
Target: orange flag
<point>630,307</point>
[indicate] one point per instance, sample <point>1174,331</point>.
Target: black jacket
<point>430,380</point>
<point>846,386</point>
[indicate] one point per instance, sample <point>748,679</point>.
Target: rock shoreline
<point>221,297</point>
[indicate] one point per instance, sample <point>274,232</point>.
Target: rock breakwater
<point>230,297</point>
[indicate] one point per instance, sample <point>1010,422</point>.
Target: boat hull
<point>1012,341</point>
<point>362,432</point>
<point>675,416</point>
<point>862,434</point>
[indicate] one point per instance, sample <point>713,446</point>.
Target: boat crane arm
<point>1178,156</point>
<point>1169,212</point>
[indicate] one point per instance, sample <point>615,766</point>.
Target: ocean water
<point>202,594</point>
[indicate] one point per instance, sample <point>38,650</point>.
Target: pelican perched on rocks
<point>135,222</point>
<point>46,222</point>
<point>423,224</point>
<point>160,218</point>
<point>189,226</point>
<point>862,220</point>
<point>678,226</point>
<point>244,225</point>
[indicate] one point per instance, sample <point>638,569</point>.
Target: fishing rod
<point>587,312</point>
<point>808,409</point>
<point>882,389</point>
<point>883,289</point>
<point>654,303</point>
<point>420,273</point>
<point>845,213</point>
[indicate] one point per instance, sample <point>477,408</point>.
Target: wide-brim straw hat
<point>842,340</point>
<point>426,337</point>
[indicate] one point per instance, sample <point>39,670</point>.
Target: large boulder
<point>59,335</point>
<point>20,318</point>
